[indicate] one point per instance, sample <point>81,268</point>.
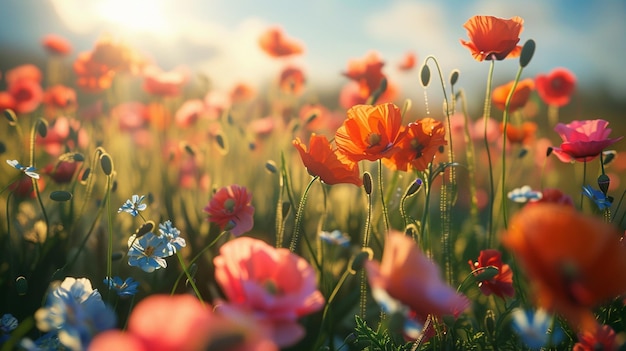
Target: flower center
<point>373,139</point>
<point>417,147</point>
<point>271,287</point>
<point>149,250</point>
<point>229,205</point>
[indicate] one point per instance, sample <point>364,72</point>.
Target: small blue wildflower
<point>127,287</point>
<point>335,238</point>
<point>8,323</point>
<point>29,171</point>
<point>533,328</point>
<point>133,206</point>
<point>524,194</point>
<point>602,201</point>
<point>148,252</point>
<point>172,234</point>
<point>76,312</point>
<point>48,341</point>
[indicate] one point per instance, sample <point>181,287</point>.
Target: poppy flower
<point>602,338</point>
<point>189,112</point>
<point>408,276</point>
<point>367,72</point>
<point>117,55</point>
<point>164,84</point>
<point>408,62</point>
<point>502,283</point>
<point>318,118</point>
<point>331,166</point>
<point>351,94</point>
<point>7,102</point>
<point>241,92</point>
<point>583,140</point>
<point>275,285</point>
<point>556,87</point>
<point>231,209</point>
<point>191,326</point>
<point>292,80</point>
<point>61,172</point>
<point>92,76</point>
<point>59,97</point>
<point>23,187</point>
<point>520,134</point>
<point>23,72</point>
<point>56,44</point>
<point>63,134</point>
<point>274,42</point>
<point>493,38</point>
<point>555,196</point>
<point>27,95</point>
<point>519,98</point>
<point>574,260</point>
<point>418,145</point>
<point>370,132</point>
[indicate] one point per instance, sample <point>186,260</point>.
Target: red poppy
<point>370,132</point>
<point>408,62</point>
<point>502,283</point>
<point>331,166</point>
<point>23,72</point>
<point>574,260</point>
<point>367,72</point>
<point>583,140</point>
<point>189,112</point>
<point>317,118</point>
<point>59,97</point>
<point>292,80</point>
<point>63,134</point>
<point>274,42</point>
<point>23,187</point>
<point>406,274</point>
<point>602,338</point>
<point>231,209</point>
<point>241,92</point>
<point>165,84</point>
<point>555,196</point>
<point>27,95</point>
<point>62,172</point>
<point>493,37</point>
<point>418,145</point>
<point>522,134</point>
<point>7,102</point>
<point>519,98</point>
<point>56,44</point>
<point>556,87</point>
<point>92,76</point>
<point>131,115</point>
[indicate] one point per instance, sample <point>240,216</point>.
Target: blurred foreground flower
<point>602,338</point>
<point>493,38</point>
<point>331,166</point>
<point>231,209</point>
<point>180,323</point>
<point>274,285</point>
<point>574,260</point>
<point>533,328</point>
<point>583,140</point>
<point>76,312</point>
<point>407,275</point>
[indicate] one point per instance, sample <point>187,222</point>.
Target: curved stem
<point>110,230</point>
<point>486,116</point>
<point>299,215</point>
<point>189,277</point>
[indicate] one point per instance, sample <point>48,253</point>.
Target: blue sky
<point>218,37</point>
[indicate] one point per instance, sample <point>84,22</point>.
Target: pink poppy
<point>190,326</point>
<point>63,133</point>
<point>189,112</point>
<point>556,87</point>
<point>407,275</point>
<point>583,140</point>
<point>276,285</point>
<point>56,44</point>
<point>160,83</point>
<point>500,284</point>
<point>292,80</point>
<point>131,115</point>
<point>231,209</point>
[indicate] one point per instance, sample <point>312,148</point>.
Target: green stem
<point>331,298</point>
<point>382,195</point>
<point>425,239</point>
<point>110,230</point>
<point>505,121</point>
<point>582,196</point>
<point>486,116</point>
<point>189,277</point>
<point>33,135</point>
<point>299,215</point>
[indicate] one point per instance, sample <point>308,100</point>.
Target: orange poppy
<point>418,145</point>
<point>23,72</point>
<point>56,44</point>
<point>92,76</point>
<point>370,132</point>
<point>493,37</point>
<point>117,55</point>
<point>367,72</point>
<point>575,260</point>
<point>7,102</point>
<point>292,80</point>
<point>59,98</point>
<point>520,96</point>
<point>331,166</point>
<point>408,62</point>
<point>522,134</point>
<point>274,42</point>
<point>242,92</point>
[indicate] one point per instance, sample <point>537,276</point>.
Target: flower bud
<point>270,166</point>
<point>549,151</point>
<point>425,76</point>
<point>603,183</point>
<point>144,229</point>
<point>367,183</point>
<point>528,50</point>
<point>106,163</point>
<point>61,195</point>
<point>42,127</point>
<point>116,256</point>
<point>414,187</point>
<point>358,260</point>
<point>10,116</point>
<point>21,285</point>
<point>454,76</point>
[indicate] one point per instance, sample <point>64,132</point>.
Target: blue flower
<point>533,328</point>
<point>133,206</point>
<point>29,171</point>
<point>336,238</point>
<point>602,201</point>
<point>8,323</point>
<point>127,287</point>
<point>76,312</point>
<point>48,341</point>
<point>175,242</point>
<point>524,194</point>
<point>148,252</point>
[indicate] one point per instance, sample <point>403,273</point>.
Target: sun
<point>134,15</point>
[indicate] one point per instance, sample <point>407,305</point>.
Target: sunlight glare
<point>135,15</point>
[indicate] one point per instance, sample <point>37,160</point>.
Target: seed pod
<point>10,116</point>
<point>528,50</point>
<point>144,229</point>
<point>42,127</point>
<point>425,76</point>
<point>271,166</point>
<point>454,76</point>
<point>367,183</point>
<point>61,195</point>
<point>21,285</point>
<point>603,183</point>
<point>106,163</point>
